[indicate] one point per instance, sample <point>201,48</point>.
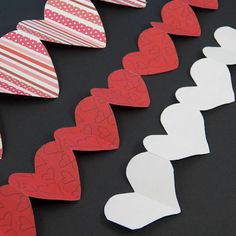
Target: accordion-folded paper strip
<point>185,137</point>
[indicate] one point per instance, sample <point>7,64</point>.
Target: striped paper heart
<point>26,67</point>
<point>72,22</point>
<point>130,3</point>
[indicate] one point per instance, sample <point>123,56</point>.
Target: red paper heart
<point>95,129</point>
<point>179,19</point>
<point>16,214</point>
<point>56,175</point>
<point>208,4</point>
<point>125,89</point>
<point>157,54</point>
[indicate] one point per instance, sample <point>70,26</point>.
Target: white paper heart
<point>154,197</point>
<point>214,86</point>
<point>185,134</point>
<point>226,37</point>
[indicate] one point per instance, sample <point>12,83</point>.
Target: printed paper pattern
<point>130,3</point>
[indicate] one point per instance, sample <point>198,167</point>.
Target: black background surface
<point>205,185</point>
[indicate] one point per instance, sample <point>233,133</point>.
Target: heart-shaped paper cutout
<point>125,89</point>
<point>179,19</point>
<point>95,130</point>
<point>185,134</point>
<point>226,37</point>
<point>130,3</point>
<point>26,67</point>
<point>72,22</point>
<point>157,54</point>
<point>208,4</point>
<point>154,196</point>
<point>16,215</point>
<point>214,86</point>
<point>56,175</point>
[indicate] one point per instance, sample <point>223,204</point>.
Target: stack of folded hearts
<point>151,174</point>
<point>56,174</point>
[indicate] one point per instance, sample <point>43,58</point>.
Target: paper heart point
<point>208,4</point>
<point>56,175</point>
<point>16,217</point>
<point>130,3</point>
<point>125,89</point>
<point>154,194</point>
<point>185,134</point>
<point>157,54</point>
<point>95,129</point>
<point>26,67</point>
<point>226,54</point>
<point>73,22</point>
<point>214,86</point>
<point>179,19</point>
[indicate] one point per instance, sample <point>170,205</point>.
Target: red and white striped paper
<point>130,3</point>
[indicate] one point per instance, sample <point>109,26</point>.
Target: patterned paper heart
<point>56,175</point>
<point>208,4</point>
<point>130,3</point>
<point>95,130</point>
<point>125,89</point>
<point>16,215</point>
<point>179,19</point>
<point>73,22</point>
<point>26,67</point>
<point>157,54</point>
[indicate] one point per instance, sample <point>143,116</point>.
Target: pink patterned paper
<point>130,3</point>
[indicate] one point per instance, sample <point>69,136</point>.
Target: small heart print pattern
<point>56,175</point>
<point>16,214</point>
<point>185,137</point>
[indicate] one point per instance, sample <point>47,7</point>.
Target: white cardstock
<point>185,134</point>
<point>226,37</point>
<point>214,86</point>
<point>154,197</point>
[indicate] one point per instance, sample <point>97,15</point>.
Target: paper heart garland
<point>226,37</point>
<point>185,134</point>
<point>95,129</point>
<point>26,67</point>
<point>214,86</point>
<point>179,18</point>
<point>157,54</point>
<point>185,137</point>
<point>16,214</point>
<point>154,197</point>
<point>130,3</point>
<point>209,4</point>
<point>125,89</point>
<point>56,174</point>
<point>73,22</point>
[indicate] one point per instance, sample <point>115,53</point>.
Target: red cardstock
<point>157,54</point>
<point>16,214</point>
<point>208,4</point>
<point>56,175</point>
<point>179,19</point>
<point>125,89</point>
<point>95,129</point>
